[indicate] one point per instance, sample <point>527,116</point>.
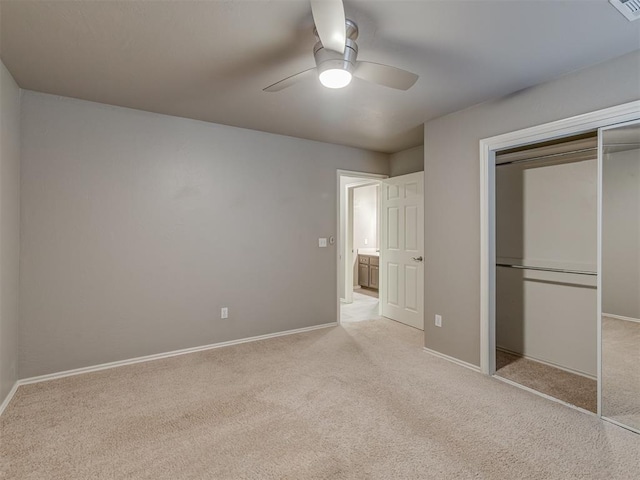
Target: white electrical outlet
<point>322,242</point>
<point>438,320</point>
<point>224,312</point>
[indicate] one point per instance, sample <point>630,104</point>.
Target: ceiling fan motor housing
<point>328,59</point>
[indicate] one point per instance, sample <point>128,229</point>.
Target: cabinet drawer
<point>374,260</point>
<point>363,259</point>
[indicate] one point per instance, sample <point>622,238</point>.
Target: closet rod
<point>551,155</point>
<point>546,269</point>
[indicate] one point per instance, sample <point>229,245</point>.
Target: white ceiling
<point>210,60</point>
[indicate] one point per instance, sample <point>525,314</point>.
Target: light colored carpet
<point>362,401</point>
<point>569,387</point>
<point>621,371</point>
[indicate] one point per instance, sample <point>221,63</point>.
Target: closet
<point>546,231</point>
<point>560,261</point>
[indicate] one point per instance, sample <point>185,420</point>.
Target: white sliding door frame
<point>600,312</point>
<point>488,148</point>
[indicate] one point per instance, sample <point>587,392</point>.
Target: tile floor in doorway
<point>364,307</point>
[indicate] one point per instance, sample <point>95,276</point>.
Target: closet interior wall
<point>546,217</point>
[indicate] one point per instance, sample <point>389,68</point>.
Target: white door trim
<point>488,147</point>
<point>339,206</point>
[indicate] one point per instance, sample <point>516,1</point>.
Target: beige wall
<point>139,227</point>
<point>365,217</point>
<point>406,161</point>
<point>621,234</point>
<point>452,188</point>
<point>547,216</point>
<point>9,229</point>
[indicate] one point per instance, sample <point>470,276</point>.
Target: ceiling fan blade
<point>328,15</point>
<point>385,75</point>
<point>293,79</point>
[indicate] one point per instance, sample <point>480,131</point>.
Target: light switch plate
<point>322,242</point>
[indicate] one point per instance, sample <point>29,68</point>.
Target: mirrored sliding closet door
<point>620,270</point>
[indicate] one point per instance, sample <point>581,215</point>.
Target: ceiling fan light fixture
<point>335,70</point>
<point>335,78</point>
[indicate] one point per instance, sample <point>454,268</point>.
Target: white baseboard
<point>462,363</point>
<point>620,317</point>
<point>149,358</point>
<point>9,396</point>
<point>549,364</point>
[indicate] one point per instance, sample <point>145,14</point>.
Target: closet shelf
<point>547,157</point>
<point>547,269</point>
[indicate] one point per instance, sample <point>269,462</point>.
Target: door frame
<point>342,203</point>
<point>488,148</point>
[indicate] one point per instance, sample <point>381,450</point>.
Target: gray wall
<point>547,216</point>
<point>621,234</point>
<point>9,229</point>
<point>452,188</point>
<point>406,161</point>
<point>137,228</point>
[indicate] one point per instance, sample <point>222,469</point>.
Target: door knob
<point>417,259</point>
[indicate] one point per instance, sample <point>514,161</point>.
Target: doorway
<point>386,259</point>
<point>358,245</point>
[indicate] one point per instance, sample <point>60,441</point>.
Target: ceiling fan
<point>336,54</point>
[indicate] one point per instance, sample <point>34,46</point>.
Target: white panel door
<point>402,247</point>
